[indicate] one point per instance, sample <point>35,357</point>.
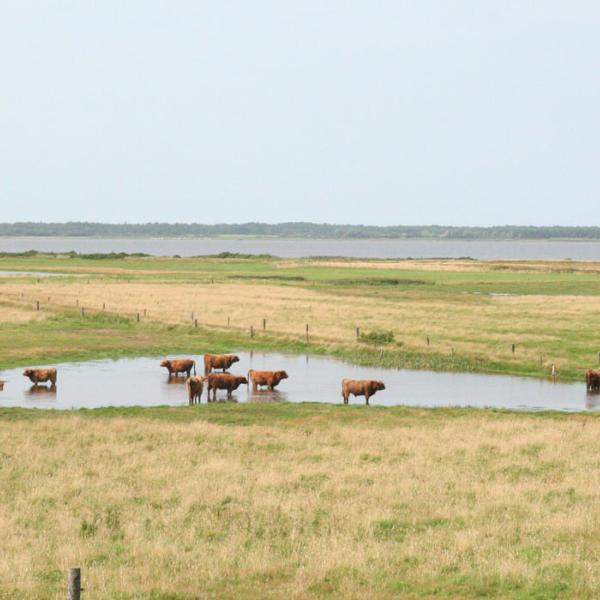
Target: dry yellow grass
<point>14,312</point>
<point>505,505</point>
<point>478,326</point>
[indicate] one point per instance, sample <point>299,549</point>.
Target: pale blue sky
<point>379,112</point>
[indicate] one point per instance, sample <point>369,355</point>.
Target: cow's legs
<point>367,398</point>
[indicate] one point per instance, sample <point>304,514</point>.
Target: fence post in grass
<point>358,333</point>
<point>77,302</point>
<point>513,348</point>
<point>74,584</point>
<point>196,323</point>
<point>264,324</point>
<point>48,298</point>
<point>251,331</point>
<point>192,315</point>
<point>138,317</point>
<point>553,372</point>
<point>228,321</point>
<point>82,311</point>
<point>307,333</point>
<point>428,340</point>
<point>104,306</point>
<point>37,305</point>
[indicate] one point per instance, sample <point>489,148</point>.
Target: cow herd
<point>228,382</point>
<point>213,381</point>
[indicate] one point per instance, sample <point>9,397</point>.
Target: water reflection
<point>265,396</point>
<point>42,390</point>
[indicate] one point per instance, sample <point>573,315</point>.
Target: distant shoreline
<point>296,231</point>
<point>297,238</point>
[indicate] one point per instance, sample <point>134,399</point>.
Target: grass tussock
<point>320,505</point>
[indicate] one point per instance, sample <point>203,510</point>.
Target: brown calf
<point>219,361</point>
<point>360,387</point>
<point>268,378</point>
<point>195,386</point>
<point>592,380</point>
<point>41,375</point>
<point>180,365</point>
<point>223,381</point>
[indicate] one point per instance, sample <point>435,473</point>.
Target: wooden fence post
<point>251,331</point>
<point>307,332</point>
<point>37,304</point>
<point>74,584</point>
<point>138,317</point>
<point>104,306</point>
<point>264,324</point>
<point>428,340</point>
<point>513,348</point>
<point>196,323</point>
<point>82,311</point>
<point>358,333</point>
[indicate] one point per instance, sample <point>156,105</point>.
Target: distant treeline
<point>298,230</point>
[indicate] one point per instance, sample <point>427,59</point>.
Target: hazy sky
<point>382,112</point>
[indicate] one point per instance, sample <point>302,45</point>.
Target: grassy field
<point>299,501</point>
<point>445,314</point>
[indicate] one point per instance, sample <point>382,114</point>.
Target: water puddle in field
<point>39,274</point>
<point>142,382</point>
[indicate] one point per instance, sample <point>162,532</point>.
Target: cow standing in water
<point>268,378</point>
<point>223,381</point>
<point>181,365</point>
<point>219,361</point>
<point>360,387</point>
<point>592,380</point>
<point>195,386</point>
<point>41,375</point>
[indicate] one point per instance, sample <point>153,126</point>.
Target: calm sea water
<point>142,382</point>
<point>584,250</point>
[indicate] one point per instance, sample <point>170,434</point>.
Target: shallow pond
<point>141,382</point>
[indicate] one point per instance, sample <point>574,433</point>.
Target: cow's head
<point>241,380</point>
<point>234,358</point>
<point>281,375</point>
<point>165,363</point>
<point>379,385</point>
<point>27,372</point>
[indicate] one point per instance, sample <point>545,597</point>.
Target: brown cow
<point>223,381</point>
<point>592,380</point>
<point>41,375</point>
<point>180,365</point>
<point>219,361</point>
<point>195,386</point>
<point>268,378</point>
<point>360,387</point>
